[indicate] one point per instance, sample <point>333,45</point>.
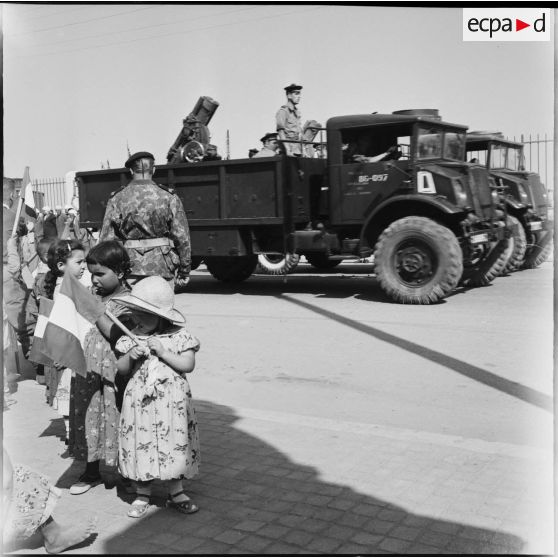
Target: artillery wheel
<point>277,264</point>
<point>518,246</point>
<point>321,261</point>
<point>231,269</point>
<point>489,267</point>
<point>418,261</point>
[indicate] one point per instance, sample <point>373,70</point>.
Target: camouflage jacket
<point>144,210</point>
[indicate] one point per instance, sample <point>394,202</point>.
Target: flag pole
<point>20,201</point>
<point>117,322</point>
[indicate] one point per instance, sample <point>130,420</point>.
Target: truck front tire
<point>518,246</point>
<point>539,253</point>
<point>489,267</point>
<point>231,269</point>
<point>418,261</point>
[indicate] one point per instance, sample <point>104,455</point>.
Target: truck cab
<point>524,195</point>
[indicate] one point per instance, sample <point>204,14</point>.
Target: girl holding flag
<point>95,398</point>
<point>64,257</point>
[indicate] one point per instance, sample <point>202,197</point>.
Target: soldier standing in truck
<point>150,221</point>
<point>289,126</point>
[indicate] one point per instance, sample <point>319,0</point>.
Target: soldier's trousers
<point>15,300</point>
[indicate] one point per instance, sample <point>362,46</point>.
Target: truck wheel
<point>537,256</point>
<point>231,269</point>
<point>418,261</point>
<point>196,262</point>
<point>489,267</point>
<point>518,246</point>
<point>321,261</point>
<point>275,264</point>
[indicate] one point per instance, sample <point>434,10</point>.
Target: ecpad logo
<point>506,24</point>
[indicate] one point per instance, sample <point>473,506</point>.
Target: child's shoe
<point>138,509</point>
<point>84,484</point>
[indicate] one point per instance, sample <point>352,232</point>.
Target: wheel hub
<point>414,264</point>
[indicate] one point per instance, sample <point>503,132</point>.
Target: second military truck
<point>392,185</point>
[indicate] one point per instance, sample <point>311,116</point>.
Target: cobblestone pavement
<point>277,483</point>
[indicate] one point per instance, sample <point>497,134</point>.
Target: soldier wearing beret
<point>289,126</point>
<point>270,146</point>
<point>150,221</point>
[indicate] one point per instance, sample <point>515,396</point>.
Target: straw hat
<point>155,296</point>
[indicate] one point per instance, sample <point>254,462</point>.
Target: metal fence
<point>539,158</point>
<point>52,191</point>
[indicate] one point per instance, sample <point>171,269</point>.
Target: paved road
<point>334,421</point>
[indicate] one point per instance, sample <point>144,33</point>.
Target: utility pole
<point>128,148</point>
<point>228,146</point>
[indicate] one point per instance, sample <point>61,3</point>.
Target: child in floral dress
<point>158,428</point>
<point>29,500</point>
<point>94,409</point>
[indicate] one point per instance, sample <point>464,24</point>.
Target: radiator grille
<point>481,193</point>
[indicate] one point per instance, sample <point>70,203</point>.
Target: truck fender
<point>432,205</point>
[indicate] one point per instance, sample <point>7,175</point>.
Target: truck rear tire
<point>321,261</point>
<point>518,246</point>
<point>418,261</point>
<point>490,267</point>
<point>272,264</point>
<point>231,269</point>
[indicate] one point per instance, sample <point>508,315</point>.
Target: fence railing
<point>52,191</point>
<point>539,158</point>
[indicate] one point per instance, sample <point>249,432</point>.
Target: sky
<point>82,81</point>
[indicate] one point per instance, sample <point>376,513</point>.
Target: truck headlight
<point>460,193</point>
<point>495,197</point>
<point>523,194</point>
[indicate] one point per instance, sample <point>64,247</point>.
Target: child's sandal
<point>138,510</point>
<point>186,506</point>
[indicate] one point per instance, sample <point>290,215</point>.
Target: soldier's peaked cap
<point>268,136</point>
<point>293,87</point>
<point>136,156</point>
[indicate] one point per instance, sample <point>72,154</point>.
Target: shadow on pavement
<point>255,500</point>
<point>515,389</point>
<point>328,284</point>
<point>344,281</point>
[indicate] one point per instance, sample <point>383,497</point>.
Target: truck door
<point>363,186</point>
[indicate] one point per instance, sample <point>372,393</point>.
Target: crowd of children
<point>133,408</point>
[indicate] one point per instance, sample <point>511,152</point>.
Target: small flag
<point>27,195</point>
<point>37,353</point>
<point>73,313</point>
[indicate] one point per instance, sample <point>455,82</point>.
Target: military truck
<point>428,217</point>
<point>523,193</point>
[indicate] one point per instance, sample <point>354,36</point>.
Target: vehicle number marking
<point>366,178</point>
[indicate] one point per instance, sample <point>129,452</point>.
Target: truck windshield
<point>498,156</point>
<point>514,161</point>
<point>454,146</point>
<point>429,144</point>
